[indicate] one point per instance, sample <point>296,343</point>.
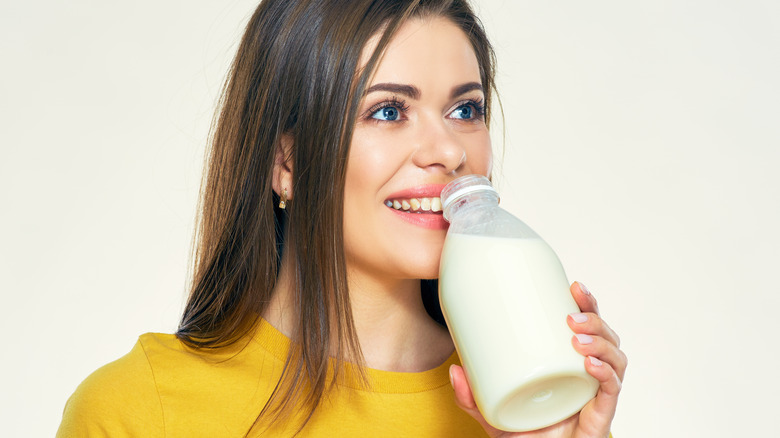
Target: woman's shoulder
<point>120,398</point>
<point>163,385</point>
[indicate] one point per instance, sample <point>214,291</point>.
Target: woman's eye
<point>466,111</point>
<point>389,113</point>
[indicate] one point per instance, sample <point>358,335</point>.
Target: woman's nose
<point>439,147</point>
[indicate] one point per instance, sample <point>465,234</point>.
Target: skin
<point>414,130</point>
<point>428,142</point>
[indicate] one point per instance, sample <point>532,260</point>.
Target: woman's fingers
<point>584,298</point>
<point>591,323</point>
<point>597,415</point>
<point>601,349</point>
<point>463,395</point>
<point>593,337</point>
<point>465,399</point>
<point>604,360</point>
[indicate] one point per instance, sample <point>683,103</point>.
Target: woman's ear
<point>282,174</point>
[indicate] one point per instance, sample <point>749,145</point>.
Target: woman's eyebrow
<point>465,88</point>
<point>414,92</point>
<point>407,90</point>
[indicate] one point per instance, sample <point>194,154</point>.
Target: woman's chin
<point>429,272</point>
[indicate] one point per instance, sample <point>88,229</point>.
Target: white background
<point>642,144</point>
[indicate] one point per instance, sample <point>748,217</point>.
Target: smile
<point>416,205</point>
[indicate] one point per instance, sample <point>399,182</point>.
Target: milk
<point>510,330</point>
<point>505,298</point>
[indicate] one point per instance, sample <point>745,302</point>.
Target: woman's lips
<point>421,191</point>
<point>425,219</point>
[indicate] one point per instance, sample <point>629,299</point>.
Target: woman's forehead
<point>429,49</point>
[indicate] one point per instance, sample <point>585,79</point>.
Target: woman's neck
<point>394,330</point>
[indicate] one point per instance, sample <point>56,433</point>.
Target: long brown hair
<point>296,74</point>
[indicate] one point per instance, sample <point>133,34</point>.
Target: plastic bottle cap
<point>466,190</point>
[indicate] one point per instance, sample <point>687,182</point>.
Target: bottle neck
<point>478,200</point>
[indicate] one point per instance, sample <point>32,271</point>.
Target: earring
<point>283,201</point>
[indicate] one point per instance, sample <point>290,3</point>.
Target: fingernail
<point>579,317</point>
<point>595,361</point>
<point>583,288</point>
<point>583,339</point>
<point>452,381</point>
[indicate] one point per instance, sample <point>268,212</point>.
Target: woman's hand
<point>603,360</point>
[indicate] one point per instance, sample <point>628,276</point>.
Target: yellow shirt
<point>162,388</point>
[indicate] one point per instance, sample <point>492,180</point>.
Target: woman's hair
<point>296,74</point>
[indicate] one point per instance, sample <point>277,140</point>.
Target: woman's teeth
<point>416,204</point>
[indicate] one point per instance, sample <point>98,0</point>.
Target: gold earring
<point>283,201</point>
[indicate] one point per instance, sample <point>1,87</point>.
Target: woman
<point>340,123</point>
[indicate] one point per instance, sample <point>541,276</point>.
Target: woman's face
<point>420,125</point>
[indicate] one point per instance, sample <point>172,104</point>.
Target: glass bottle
<point>505,297</point>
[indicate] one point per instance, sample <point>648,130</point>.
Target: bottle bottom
<point>544,401</point>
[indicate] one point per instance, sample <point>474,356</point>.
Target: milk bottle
<point>505,298</point>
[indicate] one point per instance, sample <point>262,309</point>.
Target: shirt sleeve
<point>118,400</point>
